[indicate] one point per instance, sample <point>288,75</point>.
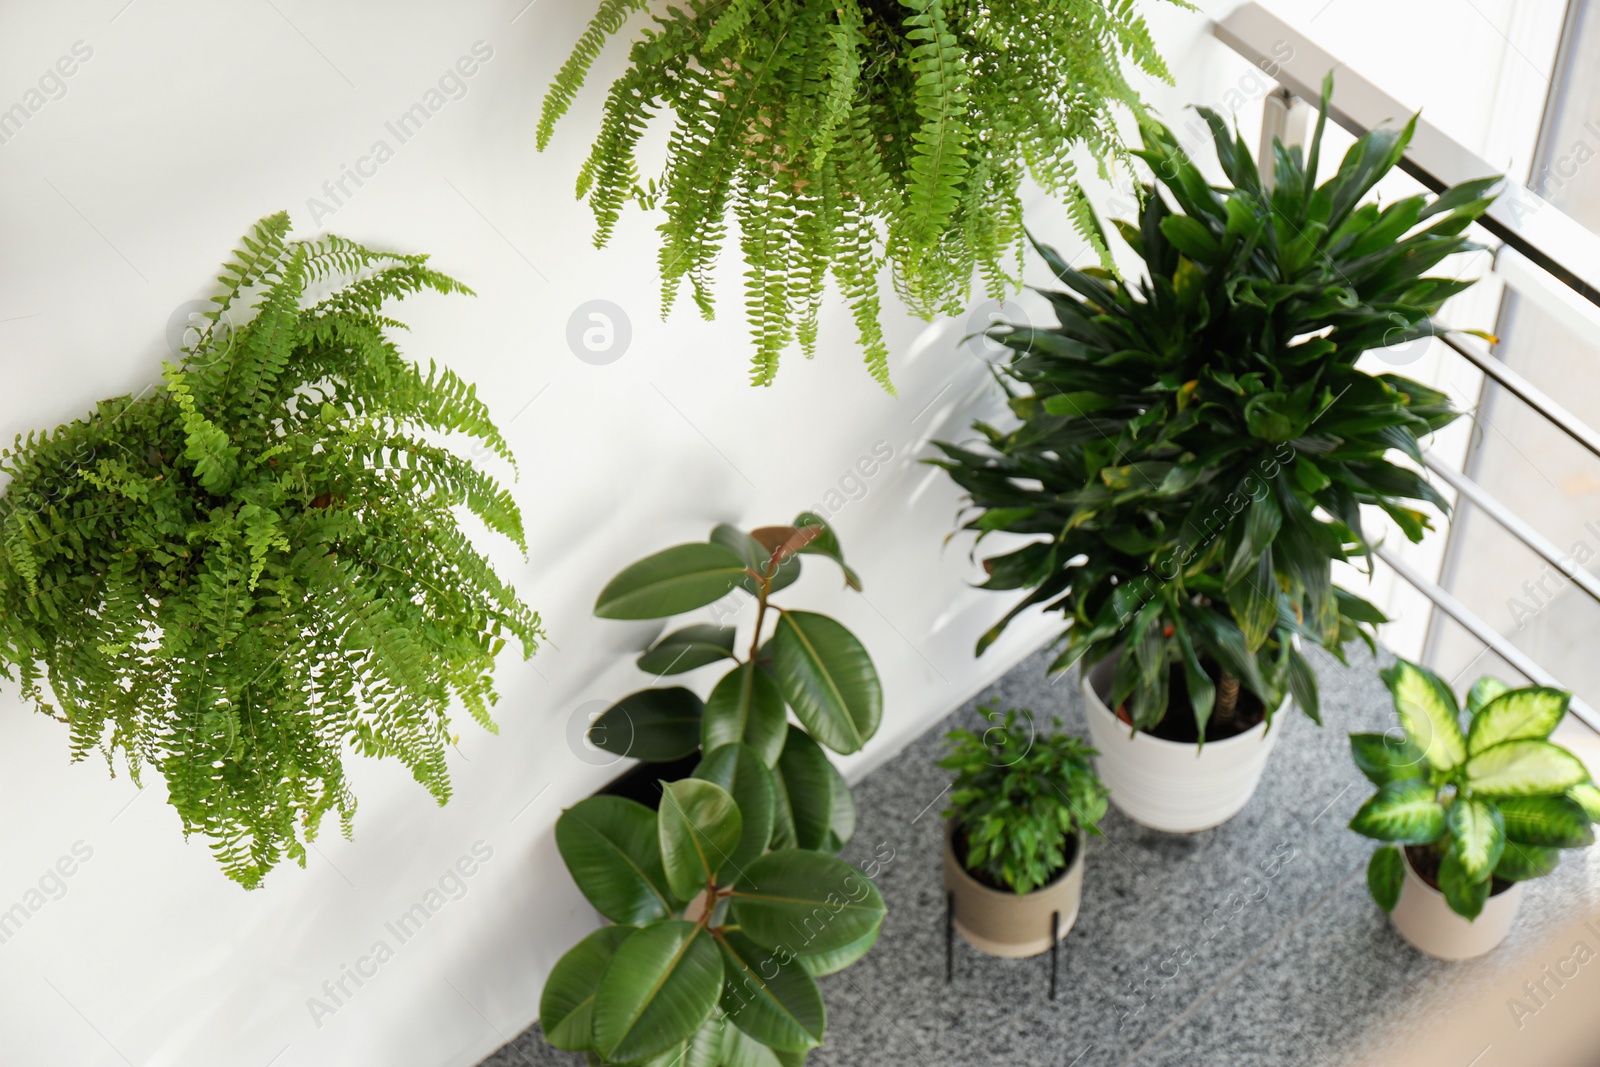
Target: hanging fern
<point>241,575</point>
<point>846,134</point>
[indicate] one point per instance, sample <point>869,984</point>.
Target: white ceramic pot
<point>1004,923</point>
<point>1170,786</point>
<point>1422,917</point>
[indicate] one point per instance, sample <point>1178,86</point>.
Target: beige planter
<point>1002,923</point>
<point>1422,917</point>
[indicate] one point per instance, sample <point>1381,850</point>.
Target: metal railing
<point>1544,254</point>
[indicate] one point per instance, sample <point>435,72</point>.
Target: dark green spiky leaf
<point>612,849</point>
<point>686,649</point>
<point>806,902</point>
<point>670,582</point>
<point>700,827</point>
<point>566,1007</point>
<point>660,987</point>
<point>828,678</point>
<point>654,725</point>
<point>1386,872</point>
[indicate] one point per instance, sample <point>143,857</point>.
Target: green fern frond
<point>249,575</point>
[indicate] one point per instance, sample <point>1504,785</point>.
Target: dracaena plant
<point>1018,797</point>
<point>807,662</point>
<point>842,133</point>
<point>244,574</point>
<point>717,942</point>
<point>1195,445</point>
<point>1490,802</point>
<point>728,902</point>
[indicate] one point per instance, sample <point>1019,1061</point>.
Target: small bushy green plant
<point>242,575</point>
<point>1019,798</point>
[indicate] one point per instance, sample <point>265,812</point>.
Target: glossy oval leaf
<point>758,557</point>
<point>700,826</point>
<point>746,707</point>
<point>660,988</point>
<point>1386,871</point>
<point>842,822</point>
<point>769,996</point>
<point>1428,713</point>
<point>654,725</point>
<point>825,963</point>
<point>742,773</point>
<point>806,902</point>
<point>1465,895</point>
<point>702,1049</point>
<point>1477,836</point>
<point>612,849</point>
<point>672,581</point>
<point>1524,768</point>
<point>1407,812</point>
<point>806,777</point>
<point>1484,690</point>
<point>1519,862</point>
<point>827,677</point>
<point>566,1007</point>
<point>827,544</point>
<point>739,1049</point>
<point>1554,821</point>
<point>686,649</point>
<point>1384,758</point>
<point>1515,715</point>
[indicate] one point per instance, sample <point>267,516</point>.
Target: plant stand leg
<point>1055,946</point>
<point>949,937</point>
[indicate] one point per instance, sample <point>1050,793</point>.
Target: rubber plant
<point>1018,798</point>
<point>1194,447</point>
<point>727,903</point>
<point>840,134</point>
<point>1491,803</point>
<point>244,574</point>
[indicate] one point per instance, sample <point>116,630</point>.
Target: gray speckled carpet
<point>1253,943</point>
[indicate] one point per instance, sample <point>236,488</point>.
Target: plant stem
<point>1227,695</point>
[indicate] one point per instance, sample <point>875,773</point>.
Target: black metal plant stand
<point>950,943</point>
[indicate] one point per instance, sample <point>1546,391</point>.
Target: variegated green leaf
<point>1524,768</point>
<point>1428,713</point>
<point>1517,714</point>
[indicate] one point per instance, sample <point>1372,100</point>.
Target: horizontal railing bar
<point>1516,526</point>
<point>1497,643</point>
<point>1526,391</point>
<point>1523,220</point>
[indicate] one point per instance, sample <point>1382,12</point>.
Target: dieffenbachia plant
<point>1196,445</point>
<point>1496,800</point>
<point>841,134</point>
<point>728,902</point>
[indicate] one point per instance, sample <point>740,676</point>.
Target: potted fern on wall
<point>241,576</point>
<point>840,134</point>
<point>1194,449</point>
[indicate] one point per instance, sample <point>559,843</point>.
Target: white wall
<point>118,200</point>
